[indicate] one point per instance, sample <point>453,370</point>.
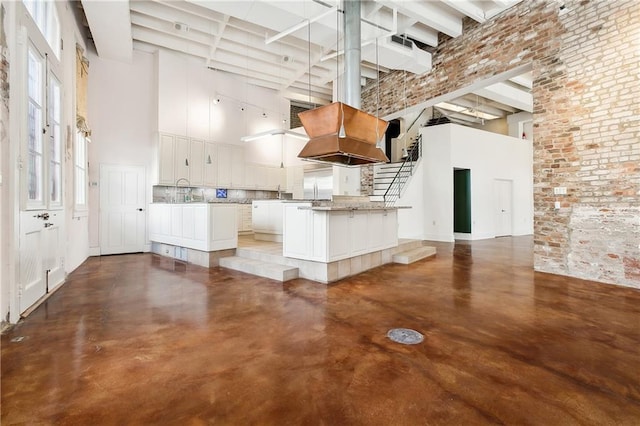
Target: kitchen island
<point>328,232</point>
<point>205,227</point>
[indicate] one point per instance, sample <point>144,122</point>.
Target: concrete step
<point>376,198</point>
<point>274,271</point>
<point>414,254</point>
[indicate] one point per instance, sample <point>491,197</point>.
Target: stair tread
<point>270,270</point>
<point>414,255</point>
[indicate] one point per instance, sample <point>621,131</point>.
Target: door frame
<point>495,204</point>
<point>144,244</point>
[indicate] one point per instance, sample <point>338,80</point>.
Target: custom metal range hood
<point>340,133</point>
<point>355,147</point>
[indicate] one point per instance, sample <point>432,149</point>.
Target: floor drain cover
<point>405,336</point>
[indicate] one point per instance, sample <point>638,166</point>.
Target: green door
<point>462,200</point>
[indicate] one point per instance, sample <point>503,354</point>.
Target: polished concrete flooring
<point>139,339</point>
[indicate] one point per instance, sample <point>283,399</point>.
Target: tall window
<point>55,137</point>
<point>35,149</point>
<point>80,171</point>
<point>43,156</point>
<point>45,16</point>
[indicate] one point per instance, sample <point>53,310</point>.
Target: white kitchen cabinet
<point>224,166</point>
<point>266,218</point>
<point>180,157</point>
<point>166,171</point>
<point>295,181</point>
<point>200,226</point>
<point>274,178</point>
<point>332,235</point>
<point>237,166</point>
<point>244,217</point>
<point>250,176</point>
<point>210,167</point>
<point>261,176</point>
<point>196,162</point>
<point>231,167</point>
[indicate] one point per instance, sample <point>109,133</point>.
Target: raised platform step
<point>273,271</point>
<point>414,255</point>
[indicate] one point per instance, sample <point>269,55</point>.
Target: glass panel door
<point>35,129</point>
<point>55,137</point>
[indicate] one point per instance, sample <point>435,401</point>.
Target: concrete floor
<point>139,339</point>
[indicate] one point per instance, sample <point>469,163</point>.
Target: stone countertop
<point>351,208</point>
<point>219,201</point>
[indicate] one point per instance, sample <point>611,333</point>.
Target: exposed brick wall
<point>366,180</point>
<point>294,120</point>
<point>586,115</point>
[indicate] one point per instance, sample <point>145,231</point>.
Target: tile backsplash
<point>168,194</point>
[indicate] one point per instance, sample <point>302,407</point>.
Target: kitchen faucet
<point>175,191</point>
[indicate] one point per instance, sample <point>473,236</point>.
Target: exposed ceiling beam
<point>507,94</point>
<point>428,15</point>
<point>110,24</point>
<point>467,8</point>
<point>164,11</point>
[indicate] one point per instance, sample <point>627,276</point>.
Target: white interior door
<point>122,209</point>
<point>503,207</point>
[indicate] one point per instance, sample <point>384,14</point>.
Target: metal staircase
<point>402,175</point>
<point>390,178</point>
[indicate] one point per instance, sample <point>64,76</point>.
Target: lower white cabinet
<point>331,235</point>
<point>266,218</point>
<point>244,217</point>
<point>200,226</point>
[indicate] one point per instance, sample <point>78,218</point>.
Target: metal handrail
<point>401,177</point>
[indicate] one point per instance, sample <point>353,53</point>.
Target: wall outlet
<point>560,190</point>
<point>556,205</point>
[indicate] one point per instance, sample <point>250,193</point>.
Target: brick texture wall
<point>586,69</point>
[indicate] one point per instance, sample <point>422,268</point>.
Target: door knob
<point>43,216</point>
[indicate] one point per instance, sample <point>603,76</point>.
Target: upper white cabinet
<point>213,165</point>
<point>197,161</point>
<point>166,172</point>
<point>210,172</point>
<point>237,166</point>
<point>295,181</point>
<point>180,157</point>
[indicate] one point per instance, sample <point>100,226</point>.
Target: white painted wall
<point>122,107</point>
<point>489,156</point>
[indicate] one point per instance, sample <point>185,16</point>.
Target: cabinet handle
<point>140,210</point>
<point>186,162</point>
<point>208,159</point>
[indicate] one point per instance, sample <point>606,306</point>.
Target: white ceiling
<point>294,46</point>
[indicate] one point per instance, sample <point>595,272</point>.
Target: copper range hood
<point>340,133</point>
<point>326,144</point>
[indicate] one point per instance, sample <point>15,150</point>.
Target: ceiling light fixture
<point>273,132</point>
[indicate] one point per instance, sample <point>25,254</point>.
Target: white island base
<point>198,233</point>
<point>327,244</point>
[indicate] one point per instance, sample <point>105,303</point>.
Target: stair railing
<point>393,192</point>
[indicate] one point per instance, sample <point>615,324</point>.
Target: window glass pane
<point>45,15</point>
<point>55,155</point>
<point>34,126</point>
<point>80,170</point>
